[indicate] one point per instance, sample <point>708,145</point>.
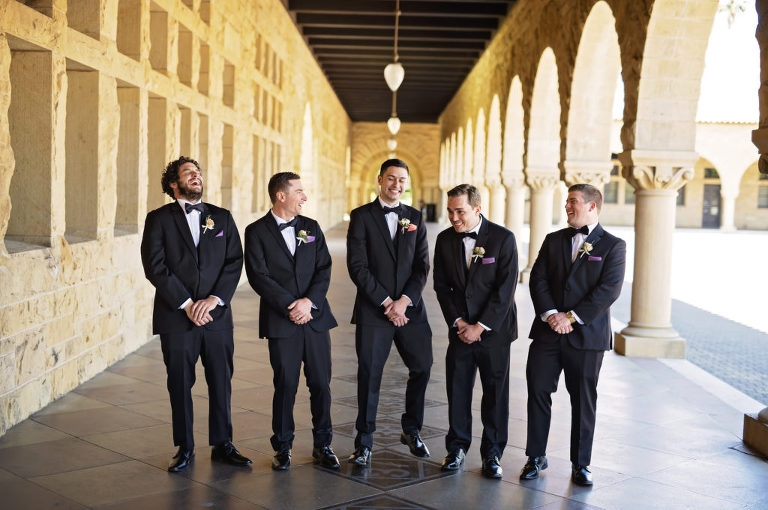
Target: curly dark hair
<point>171,174</point>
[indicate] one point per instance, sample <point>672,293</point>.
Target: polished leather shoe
<point>282,460</point>
<point>533,467</point>
<point>454,460</point>
<point>361,456</point>
<point>228,454</point>
<point>492,468</point>
<point>581,475</point>
<point>324,456</point>
<point>181,460</point>
<point>415,444</point>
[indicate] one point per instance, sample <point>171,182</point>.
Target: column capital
<point>513,181</point>
<point>541,178</point>
<point>657,170</point>
<point>596,173</point>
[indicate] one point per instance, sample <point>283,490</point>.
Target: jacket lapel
<point>593,239</point>
<point>480,242</point>
<point>567,250</point>
<point>381,222</point>
<point>300,246</point>
<point>183,226</point>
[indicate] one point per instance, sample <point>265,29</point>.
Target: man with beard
<point>192,255</point>
<point>388,260</point>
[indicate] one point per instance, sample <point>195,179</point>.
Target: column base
<point>756,433</point>
<point>631,342</point>
<point>525,275</point>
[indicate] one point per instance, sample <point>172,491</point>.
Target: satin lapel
<point>482,237</point>
<point>461,263</point>
<point>183,226</point>
<point>378,219</point>
<point>567,250</point>
<point>300,247</point>
<point>272,227</point>
<point>593,238</point>
<point>402,242</point>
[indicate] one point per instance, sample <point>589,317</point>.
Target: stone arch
<point>454,162</point>
<point>496,208</point>
<point>513,160</point>
<point>478,160</point>
<point>307,158</point>
<point>458,176</point>
<point>593,88</point>
<point>748,214</point>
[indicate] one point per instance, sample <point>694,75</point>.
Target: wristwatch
<point>570,316</point>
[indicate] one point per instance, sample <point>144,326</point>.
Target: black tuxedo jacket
<point>587,286</point>
<point>381,267</point>
<point>180,271</point>
<point>485,293</point>
<point>281,278</point>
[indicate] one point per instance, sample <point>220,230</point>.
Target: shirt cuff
<point>454,322</point>
<point>385,300</point>
<point>484,326</point>
<point>577,318</point>
<point>185,303</point>
<point>221,303</point>
<point>410,301</point>
<point>544,316</point>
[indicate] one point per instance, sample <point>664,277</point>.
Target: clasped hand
<point>300,311</point>
<point>560,323</point>
<point>469,333</point>
<point>395,310</point>
<point>199,312</point>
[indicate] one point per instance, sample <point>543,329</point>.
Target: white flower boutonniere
<point>477,253</point>
<point>208,224</point>
<point>406,226</point>
<point>585,249</point>
<point>304,237</point>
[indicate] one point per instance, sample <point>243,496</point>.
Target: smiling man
<point>192,255</point>
<point>575,279</point>
<point>388,260</point>
<point>289,266</point>
<point>475,277</point>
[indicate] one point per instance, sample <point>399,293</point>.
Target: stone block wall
<point>96,96</point>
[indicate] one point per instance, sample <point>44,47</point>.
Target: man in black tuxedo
<point>475,277</point>
<point>575,279</point>
<point>289,266</point>
<point>192,255</point>
<point>388,260</point>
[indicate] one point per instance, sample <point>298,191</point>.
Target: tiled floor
<point>662,441</point>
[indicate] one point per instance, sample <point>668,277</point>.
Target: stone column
<point>656,177</point>
<point>727,223</point>
<point>496,209</point>
<point>515,210</point>
<point>542,194</point>
<point>441,215</point>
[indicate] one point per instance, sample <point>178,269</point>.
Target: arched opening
<point>478,168</point>
<point>512,163</point>
<point>468,153</point>
<point>752,202</point>
<point>496,207</point>
<point>307,160</point>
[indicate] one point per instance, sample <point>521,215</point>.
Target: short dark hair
<point>171,174</point>
<point>399,163</point>
<point>280,182</point>
<point>589,193</point>
<point>473,195</point>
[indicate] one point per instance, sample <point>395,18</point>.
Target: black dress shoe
<point>228,454</point>
<point>533,467</point>
<point>181,460</point>
<point>581,475</point>
<point>325,457</point>
<point>454,460</point>
<point>492,468</point>
<point>415,444</point>
<point>361,456</point>
<point>282,460</point>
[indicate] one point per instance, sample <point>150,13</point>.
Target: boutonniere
<point>208,224</point>
<point>477,253</point>
<point>585,249</point>
<point>406,225</point>
<point>304,237</point>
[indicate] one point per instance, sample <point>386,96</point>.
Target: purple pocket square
<point>590,258</point>
<point>310,239</point>
<point>488,260</point>
<point>220,234</point>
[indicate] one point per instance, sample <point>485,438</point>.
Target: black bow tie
<point>583,230</point>
<point>188,208</point>
<point>473,235</point>
<point>287,224</point>
<point>396,209</point>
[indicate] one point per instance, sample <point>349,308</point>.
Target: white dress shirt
<point>469,245</point>
<point>288,233</point>
<point>193,220</point>
<point>391,218</point>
